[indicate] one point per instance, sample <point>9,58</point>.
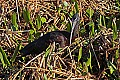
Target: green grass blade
<point>6,61</point>
<point>117,54</point>
<point>90,59</point>
<point>90,12</point>
<point>47,51</point>
<point>76,7</point>
<point>14,22</point>
<point>91,24</point>
<point>111,67</point>
<point>31,24</point>
<point>31,31</point>
<point>14,19</point>
<point>65,3</point>
<point>100,22</point>
<point>104,23</point>
<point>88,63</point>
<point>30,38</point>
<point>26,15</point>
<point>2,60</point>
<point>15,53</point>
<point>80,54</point>
<point>38,22</point>
<point>45,77</point>
<point>118,3</point>
<point>43,19</point>
<point>114,29</point>
<point>69,27</point>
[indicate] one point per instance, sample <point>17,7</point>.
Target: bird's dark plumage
<point>43,42</point>
<point>61,37</point>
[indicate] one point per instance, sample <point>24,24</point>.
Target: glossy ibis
<point>62,37</point>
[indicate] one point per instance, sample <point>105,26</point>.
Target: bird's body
<point>43,42</point>
<point>64,38</point>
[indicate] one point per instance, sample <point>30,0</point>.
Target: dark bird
<point>64,38</point>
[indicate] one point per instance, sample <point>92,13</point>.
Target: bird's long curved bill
<point>72,30</point>
<point>75,25</point>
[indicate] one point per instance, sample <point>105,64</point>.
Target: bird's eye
<point>57,37</point>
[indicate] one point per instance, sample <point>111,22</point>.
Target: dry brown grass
<point>54,66</point>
